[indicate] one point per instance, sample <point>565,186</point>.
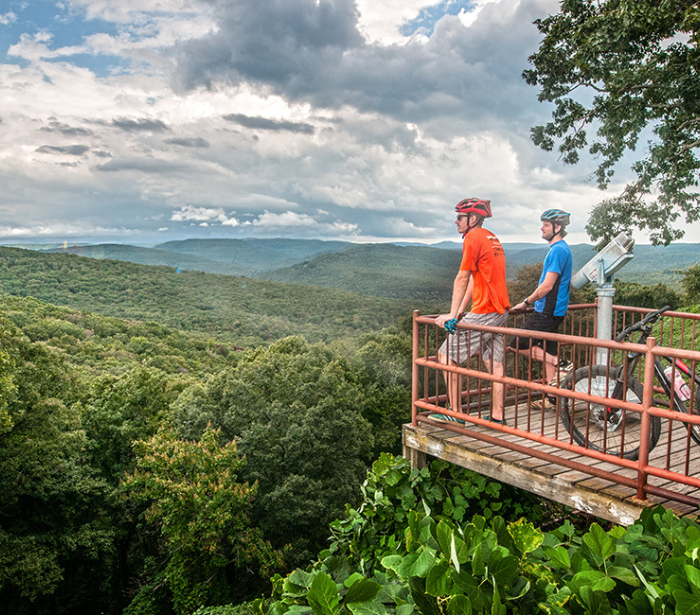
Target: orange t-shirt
<point>483,255</point>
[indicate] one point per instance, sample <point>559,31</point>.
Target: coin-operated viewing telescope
<point>604,264</point>
<point>600,270</point>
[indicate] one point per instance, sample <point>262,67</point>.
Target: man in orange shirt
<point>481,280</point>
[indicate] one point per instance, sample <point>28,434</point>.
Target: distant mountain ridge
<point>151,256</point>
<point>253,255</point>
<point>409,271</point>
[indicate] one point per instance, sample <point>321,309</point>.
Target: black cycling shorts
<point>538,322</point>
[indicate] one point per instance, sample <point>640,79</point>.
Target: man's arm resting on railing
<point>461,295</point>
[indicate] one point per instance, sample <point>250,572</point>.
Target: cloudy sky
<point>141,121</point>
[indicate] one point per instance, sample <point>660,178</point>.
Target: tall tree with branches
<point>628,70</point>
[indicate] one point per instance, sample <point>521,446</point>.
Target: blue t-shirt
<point>556,301</point>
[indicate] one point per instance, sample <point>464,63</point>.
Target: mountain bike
<point>614,430</point>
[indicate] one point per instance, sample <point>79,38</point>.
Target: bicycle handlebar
<point>650,318</point>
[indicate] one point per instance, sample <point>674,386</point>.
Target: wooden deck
<point>590,494</point>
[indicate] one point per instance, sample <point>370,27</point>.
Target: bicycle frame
<point>663,380</point>
<point>667,385</point>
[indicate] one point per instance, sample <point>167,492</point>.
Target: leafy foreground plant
<point>408,550</point>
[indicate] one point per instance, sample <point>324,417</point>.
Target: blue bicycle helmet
<point>556,216</point>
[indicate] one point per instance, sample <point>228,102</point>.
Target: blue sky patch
<point>66,27</point>
<point>429,16</point>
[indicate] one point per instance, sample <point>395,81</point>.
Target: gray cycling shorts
<point>465,344</point>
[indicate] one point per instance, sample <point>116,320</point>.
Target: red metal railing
<point>598,446</point>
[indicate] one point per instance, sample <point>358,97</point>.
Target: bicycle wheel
<point>597,427</point>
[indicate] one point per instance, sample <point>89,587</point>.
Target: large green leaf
<point>297,583</point>
<point>525,536</point>
<point>599,542</point>
<point>693,576</point>
<point>368,608</point>
<point>425,603</point>
<point>686,603</point>
<point>559,556</point>
<point>362,590</point>
<point>438,582</point>
<point>323,595</point>
<point>423,563</point>
<point>639,604</point>
<point>459,605</point>
<point>625,575</point>
<point>414,530</point>
<point>503,570</point>
<point>478,566</point>
<point>591,579</point>
<point>596,602</point>
<point>444,533</point>
<point>454,556</point>
<point>392,562</point>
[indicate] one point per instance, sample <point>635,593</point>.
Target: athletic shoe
<point>565,368</point>
<point>446,418</point>
<point>546,403</point>
<point>492,419</point>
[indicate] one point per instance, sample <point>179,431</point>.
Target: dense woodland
<point>173,442</point>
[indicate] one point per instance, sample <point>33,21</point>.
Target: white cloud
<point>278,118</point>
<point>7,19</point>
<point>199,214</point>
<point>293,223</point>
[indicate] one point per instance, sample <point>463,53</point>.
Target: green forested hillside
<point>152,256</point>
<point>412,272</point>
<point>238,310</point>
<point>254,255</point>
<point>102,345</point>
<point>387,270</point>
<point>154,470</point>
<point>381,270</point>
<point>148,469</point>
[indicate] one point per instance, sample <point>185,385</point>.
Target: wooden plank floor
<point>574,488</point>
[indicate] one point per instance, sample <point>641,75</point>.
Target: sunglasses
<point>461,216</point>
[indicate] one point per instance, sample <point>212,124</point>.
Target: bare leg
<point>497,389</point>
<point>454,384</point>
<point>550,360</point>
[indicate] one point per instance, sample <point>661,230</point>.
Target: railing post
<point>647,402</point>
<point>414,367</point>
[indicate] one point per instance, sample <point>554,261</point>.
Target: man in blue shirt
<point>550,300</point>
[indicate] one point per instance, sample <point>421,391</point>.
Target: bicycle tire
<point>584,420</point>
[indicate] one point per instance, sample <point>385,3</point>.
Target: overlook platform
<point>535,450</point>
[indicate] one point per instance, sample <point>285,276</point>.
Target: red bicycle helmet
<point>474,206</point>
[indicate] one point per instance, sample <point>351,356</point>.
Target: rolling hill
<point>243,311</point>
<point>379,270</point>
<point>250,256</point>
<point>152,256</point>
<point>419,273</point>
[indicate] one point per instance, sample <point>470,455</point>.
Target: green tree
<point>691,285</point>
<point>628,68</point>
<point>198,508</point>
<point>383,362</point>
<point>637,295</point>
<point>122,409</point>
<point>295,411</point>
<point>56,543</point>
